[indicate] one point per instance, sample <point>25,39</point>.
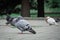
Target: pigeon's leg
<point>50,24</point>
<point>21,32</point>
<point>21,29</point>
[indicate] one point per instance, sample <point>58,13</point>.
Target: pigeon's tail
<point>56,23</point>
<point>57,19</point>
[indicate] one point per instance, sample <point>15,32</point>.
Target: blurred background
<point>30,8</point>
<point>52,7</point>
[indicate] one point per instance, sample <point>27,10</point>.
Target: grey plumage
<point>19,22</point>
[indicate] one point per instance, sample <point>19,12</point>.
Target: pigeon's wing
<point>51,21</point>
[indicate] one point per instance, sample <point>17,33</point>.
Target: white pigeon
<point>51,21</point>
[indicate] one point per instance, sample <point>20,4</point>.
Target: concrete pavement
<point>44,31</point>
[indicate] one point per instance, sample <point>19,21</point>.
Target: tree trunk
<point>25,12</point>
<point>40,8</point>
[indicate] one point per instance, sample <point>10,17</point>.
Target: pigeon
<point>20,23</point>
<point>51,21</point>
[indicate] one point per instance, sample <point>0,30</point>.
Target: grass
<point>32,26</point>
<point>33,14</point>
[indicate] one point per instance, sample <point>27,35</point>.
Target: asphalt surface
<point>43,31</point>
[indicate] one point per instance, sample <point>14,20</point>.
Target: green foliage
<point>33,4</point>
<point>18,6</point>
<point>52,5</point>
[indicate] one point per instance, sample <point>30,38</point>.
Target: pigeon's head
<point>48,17</point>
<point>8,18</point>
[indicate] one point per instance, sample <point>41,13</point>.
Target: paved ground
<point>44,31</point>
